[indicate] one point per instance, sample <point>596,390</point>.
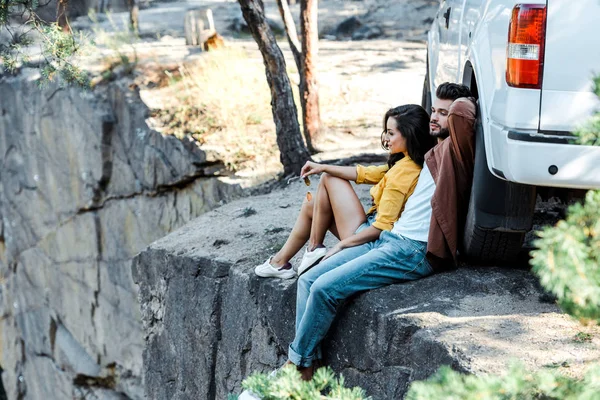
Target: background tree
<point>305,55</point>
<point>293,152</point>
<point>134,11</point>
<point>309,97</point>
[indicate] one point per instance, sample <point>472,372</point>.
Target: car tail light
<point>525,52</point>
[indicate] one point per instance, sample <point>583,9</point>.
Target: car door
<point>571,61</point>
<point>448,26</point>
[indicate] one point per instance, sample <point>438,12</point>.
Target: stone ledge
<point>210,321</point>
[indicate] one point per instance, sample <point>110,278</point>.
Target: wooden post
<point>198,26</point>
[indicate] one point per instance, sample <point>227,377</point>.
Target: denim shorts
<point>370,219</point>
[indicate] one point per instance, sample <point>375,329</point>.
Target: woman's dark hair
<point>413,123</point>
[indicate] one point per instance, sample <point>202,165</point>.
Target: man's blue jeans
<point>390,259</point>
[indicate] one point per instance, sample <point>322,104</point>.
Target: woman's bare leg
<point>337,204</point>
<point>298,237</point>
<point>347,207</point>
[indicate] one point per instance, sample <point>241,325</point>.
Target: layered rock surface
<point>84,186</point>
<point>209,321</point>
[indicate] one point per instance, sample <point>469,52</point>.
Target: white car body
<point>474,42</point>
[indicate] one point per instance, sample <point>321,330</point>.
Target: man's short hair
<point>452,91</point>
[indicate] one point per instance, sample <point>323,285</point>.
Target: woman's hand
<point>335,249</point>
<point>311,168</point>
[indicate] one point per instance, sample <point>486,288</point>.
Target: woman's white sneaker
<point>266,270</point>
<point>311,258</point>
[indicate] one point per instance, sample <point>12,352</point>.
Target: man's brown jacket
<point>451,165</point>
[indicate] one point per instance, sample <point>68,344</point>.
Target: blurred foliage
<point>287,384</point>
<point>568,257</point>
<point>589,133</point>
<point>517,384</point>
<point>58,46</point>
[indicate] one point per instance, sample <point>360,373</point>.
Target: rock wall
<point>84,186</point>
<point>209,322</point>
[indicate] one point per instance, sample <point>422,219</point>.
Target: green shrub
<point>589,133</point>
<point>58,48</point>
<point>287,384</point>
<point>517,384</point>
<point>568,257</point>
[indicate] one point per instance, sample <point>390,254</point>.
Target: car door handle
<point>447,16</point>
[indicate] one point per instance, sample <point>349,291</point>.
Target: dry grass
<point>223,102</point>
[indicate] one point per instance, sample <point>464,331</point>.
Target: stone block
<point>203,306</point>
<point>85,185</point>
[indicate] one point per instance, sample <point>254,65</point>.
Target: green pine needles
<point>568,258</point>
<point>589,133</point>
<point>58,46</point>
<point>517,384</point>
<point>287,384</point>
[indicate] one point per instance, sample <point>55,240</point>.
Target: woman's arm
<point>347,173</point>
<point>400,183</point>
<point>368,234</point>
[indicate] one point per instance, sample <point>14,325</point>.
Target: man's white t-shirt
<point>416,217</point>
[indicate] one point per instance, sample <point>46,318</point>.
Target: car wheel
<point>500,213</point>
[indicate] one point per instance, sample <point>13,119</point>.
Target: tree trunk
<point>292,34</point>
<point>295,47</point>
<point>62,16</point>
<point>134,10</point>
<point>309,97</point>
<point>103,6</point>
<point>293,152</point>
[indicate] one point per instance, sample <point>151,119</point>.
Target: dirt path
<point>359,80</point>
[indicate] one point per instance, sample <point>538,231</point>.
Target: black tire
<point>426,97</point>
<point>488,245</point>
<point>500,213</point>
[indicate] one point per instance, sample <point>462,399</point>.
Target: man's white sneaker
<point>266,270</point>
<point>311,258</point>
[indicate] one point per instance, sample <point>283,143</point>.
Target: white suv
<point>531,67</point>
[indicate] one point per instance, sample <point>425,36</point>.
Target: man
<point>451,164</point>
<point>436,210</point>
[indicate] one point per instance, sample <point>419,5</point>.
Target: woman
<point>336,206</point>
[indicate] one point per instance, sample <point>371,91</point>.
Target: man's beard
<point>443,133</point>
